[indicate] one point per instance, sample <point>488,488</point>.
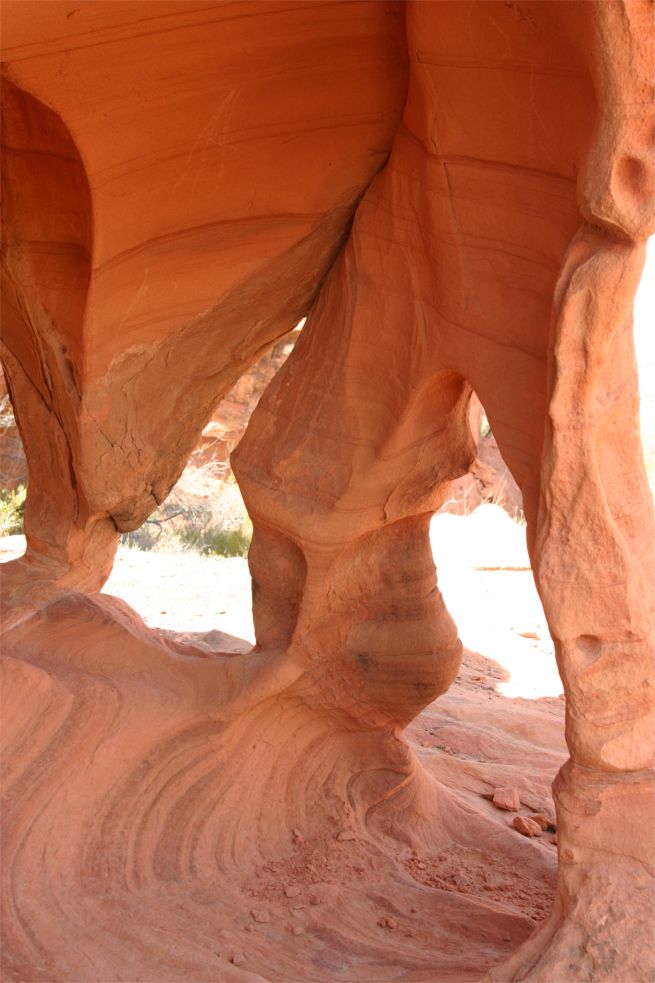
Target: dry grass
<point>204,514</point>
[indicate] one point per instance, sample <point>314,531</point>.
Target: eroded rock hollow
<point>457,196</point>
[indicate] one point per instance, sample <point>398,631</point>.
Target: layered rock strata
<point>457,196</point>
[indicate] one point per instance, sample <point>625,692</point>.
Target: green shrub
<point>216,540</point>
<point>190,531</point>
<point>12,508</point>
<point>201,514</point>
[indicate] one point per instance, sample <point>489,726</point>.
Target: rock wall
<point>457,196</point>
<point>488,480</point>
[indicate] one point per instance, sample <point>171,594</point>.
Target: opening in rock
<point>13,478</point>
<point>414,175</point>
<point>185,569</point>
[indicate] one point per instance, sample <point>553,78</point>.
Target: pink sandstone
<point>457,196</point>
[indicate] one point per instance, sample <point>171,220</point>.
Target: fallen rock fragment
<point>292,891</point>
<point>260,915</point>
<point>238,958</point>
<point>345,834</point>
<point>388,921</point>
<point>507,799</point>
<point>526,826</point>
<point>543,821</point>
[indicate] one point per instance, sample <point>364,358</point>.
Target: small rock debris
<point>508,799</point>
<point>526,826</point>
<point>260,915</point>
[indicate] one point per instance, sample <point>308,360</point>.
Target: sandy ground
<point>487,583</point>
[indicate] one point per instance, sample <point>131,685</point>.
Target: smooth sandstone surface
<point>457,195</point>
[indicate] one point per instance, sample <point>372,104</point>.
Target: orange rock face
<point>458,196</point>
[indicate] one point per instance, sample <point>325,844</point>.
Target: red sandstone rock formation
<point>182,184</point>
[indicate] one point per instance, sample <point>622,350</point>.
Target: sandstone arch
<point>498,248</point>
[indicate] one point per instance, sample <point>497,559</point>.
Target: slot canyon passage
<point>457,195</point>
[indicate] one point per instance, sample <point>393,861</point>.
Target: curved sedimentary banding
<point>168,820</point>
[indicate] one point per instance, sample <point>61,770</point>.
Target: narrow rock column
<point>349,452</point>
<point>46,271</point>
<point>595,569</point>
<point>594,553</point>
